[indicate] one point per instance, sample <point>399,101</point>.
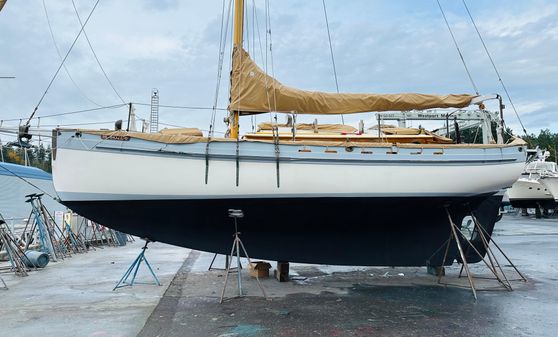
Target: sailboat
<point>310,193</point>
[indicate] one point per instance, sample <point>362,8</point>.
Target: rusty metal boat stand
<point>490,259</point>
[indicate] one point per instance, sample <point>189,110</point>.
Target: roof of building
<point>7,169</point>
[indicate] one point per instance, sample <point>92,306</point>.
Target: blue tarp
<point>7,169</point>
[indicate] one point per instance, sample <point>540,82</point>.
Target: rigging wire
<point>494,66</point>
<point>86,123</point>
<point>68,113</point>
<point>222,43</point>
<point>95,54</point>
<point>60,56</point>
<point>268,26</point>
<point>332,55</point>
<point>180,106</point>
<point>458,49</point>
<point>253,118</point>
<point>62,63</point>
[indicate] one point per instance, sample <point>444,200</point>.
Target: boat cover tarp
<point>182,131</point>
<point>340,128</point>
<point>168,138</point>
<point>180,139</point>
<point>253,92</point>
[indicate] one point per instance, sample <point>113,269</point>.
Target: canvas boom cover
<point>253,92</point>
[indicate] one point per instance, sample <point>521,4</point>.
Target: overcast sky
<point>380,46</point>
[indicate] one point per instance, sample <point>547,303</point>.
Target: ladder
<point>154,117</point>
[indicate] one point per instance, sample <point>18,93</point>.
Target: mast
<point>238,33</point>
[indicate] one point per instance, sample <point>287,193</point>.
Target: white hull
<point>381,205</point>
<point>551,184</point>
<point>95,175</point>
<point>530,193</point>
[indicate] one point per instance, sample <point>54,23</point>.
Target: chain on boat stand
<point>235,250</point>
<point>134,268</point>
<point>490,259</point>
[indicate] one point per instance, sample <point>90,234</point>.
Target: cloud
<point>379,46</point>
<point>161,5</point>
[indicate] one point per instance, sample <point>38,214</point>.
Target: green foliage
<point>38,156</point>
<point>474,135</point>
<point>545,140</point>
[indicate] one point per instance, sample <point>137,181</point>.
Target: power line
<point>95,54</point>
<point>62,63</point>
<point>494,66</point>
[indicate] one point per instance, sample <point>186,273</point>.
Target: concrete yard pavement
<point>356,301</point>
<point>74,297</point>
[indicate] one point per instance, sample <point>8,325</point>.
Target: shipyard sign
<point>419,115</point>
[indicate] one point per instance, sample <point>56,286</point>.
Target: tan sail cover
<point>340,128</point>
<point>2,3</point>
<point>253,92</point>
<point>182,131</point>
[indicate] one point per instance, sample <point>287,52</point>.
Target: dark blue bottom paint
<point>337,231</point>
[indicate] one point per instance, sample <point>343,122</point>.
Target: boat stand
<point>490,259</point>
<point>227,262</point>
<point>235,251</point>
<point>5,287</point>
<point>134,268</point>
<point>18,260</point>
